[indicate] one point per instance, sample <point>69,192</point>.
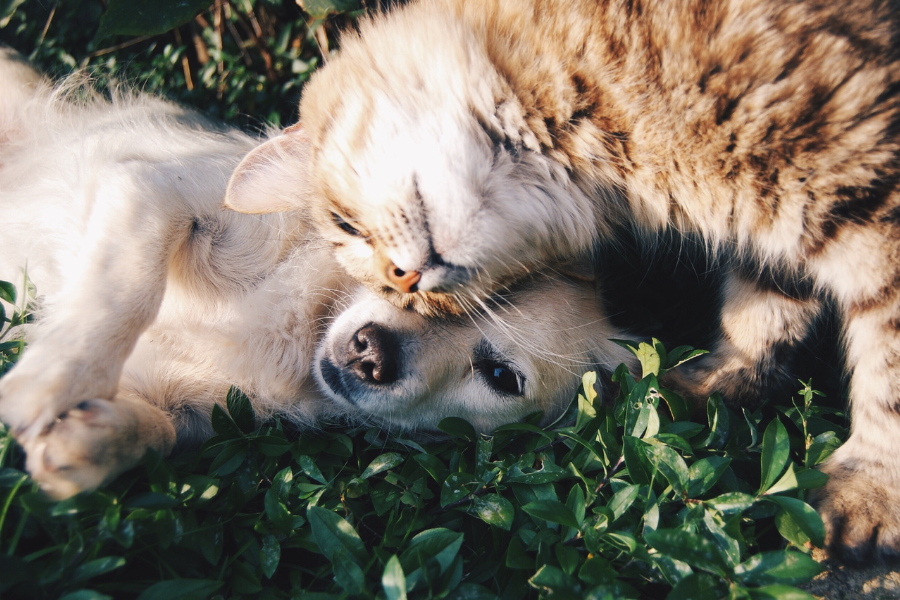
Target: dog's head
<point>524,352</point>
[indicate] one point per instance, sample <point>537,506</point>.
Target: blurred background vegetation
<point>241,61</point>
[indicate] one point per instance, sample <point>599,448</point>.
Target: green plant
<point>242,61</point>
<point>625,500</point>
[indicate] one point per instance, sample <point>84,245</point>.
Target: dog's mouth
<point>330,376</point>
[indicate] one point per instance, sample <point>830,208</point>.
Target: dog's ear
<point>273,176</point>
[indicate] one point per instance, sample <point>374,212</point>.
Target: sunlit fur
<point>476,141</point>
<point>153,300</point>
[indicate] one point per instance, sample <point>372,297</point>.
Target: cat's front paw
<point>860,506</point>
<point>90,444</point>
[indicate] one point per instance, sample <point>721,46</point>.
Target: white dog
<point>154,300</point>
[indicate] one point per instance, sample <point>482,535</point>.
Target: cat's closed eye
<point>345,226</point>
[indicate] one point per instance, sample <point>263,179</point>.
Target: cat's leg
<point>112,291</point>
<point>860,504</point>
<point>760,328</point>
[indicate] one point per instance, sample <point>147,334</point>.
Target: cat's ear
<point>273,176</point>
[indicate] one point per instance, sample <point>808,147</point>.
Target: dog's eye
<point>344,225</point>
<point>501,377</point>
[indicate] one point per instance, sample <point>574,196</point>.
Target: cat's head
<point>526,354</point>
<point>415,160</point>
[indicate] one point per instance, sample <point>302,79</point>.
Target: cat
<point>153,301</point>
<point>457,145</point>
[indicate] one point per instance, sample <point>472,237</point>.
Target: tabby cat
<point>459,144</point>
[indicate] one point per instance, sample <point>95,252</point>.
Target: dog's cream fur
<point>154,299</point>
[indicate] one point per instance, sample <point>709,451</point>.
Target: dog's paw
<point>860,506</point>
<point>90,444</point>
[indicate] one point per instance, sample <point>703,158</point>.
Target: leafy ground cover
<point>624,499</point>
<point>634,498</point>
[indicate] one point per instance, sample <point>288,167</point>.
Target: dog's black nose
<point>372,355</point>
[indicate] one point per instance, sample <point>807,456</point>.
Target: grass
<point>630,499</point>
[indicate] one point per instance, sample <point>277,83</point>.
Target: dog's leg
<point>760,327</point>
<point>89,445</point>
<point>62,393</point>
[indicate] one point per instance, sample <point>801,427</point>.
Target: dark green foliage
<point>243,61</point>
<point>616,500</point>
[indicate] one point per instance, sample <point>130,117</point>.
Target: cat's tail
<point>20,83</point>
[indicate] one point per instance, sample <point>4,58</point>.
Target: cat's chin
<point>429,304</point>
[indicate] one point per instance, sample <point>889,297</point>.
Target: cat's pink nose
<point>404,281</point>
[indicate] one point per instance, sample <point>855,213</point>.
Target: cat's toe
<point>860,507</point>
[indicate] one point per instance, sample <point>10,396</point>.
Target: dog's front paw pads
<point>82,449</point>
<point>861,510</point>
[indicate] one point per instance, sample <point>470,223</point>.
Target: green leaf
<point>320,9</point>
<point>458,428</point>
<point>525,427</point>
<point>151,501</point>
<point>642,400</point>
<point>386,461</point>
<point>269,555</point>
<point>777,567</point>
<point>494,509</point>
<point>8,290</point>
<point>471,591</point>
<point>439,544</point>
<point>7,9</point>
<point>229,458</point>
<point>779,592</point>
<point>803,516</point>
<point>639,466</point>
<point>240,409</point>
<point>586,410</point>
<point>348,574</point>
<point>393,581</point>
<point>689,547</point>
<point>146,17</point>
<point>821,448</point>
<point>84,594</point>
<point>223,424</point>
<point>704,474</point>
<point>776,450</point>
<point>678,408</point>
<point>97,567</point>
<point>719,422</point>
<point>433,466</point>
<point>699,586</point>
<point>181,589</point>
<point>310,469</point>
<point>576,504</point>
<point>671,465</point>
<point>457,486</point>
<point>554,581</point>
<point>680,355</point>
<point>646,354</point>
<point>802,479</point>
<point>552,510</point>
<point>332,533</point>
<point>623,499</point>
<point>732,502</point>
